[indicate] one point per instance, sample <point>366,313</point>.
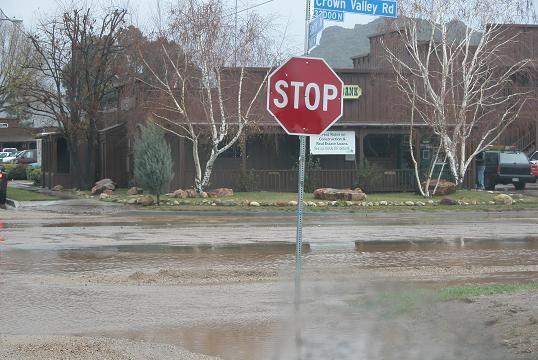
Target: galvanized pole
<point>300,213</point>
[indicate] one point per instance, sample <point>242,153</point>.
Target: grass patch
<point>474,290</point>
<point>27,195</point>
<point>393,304</point>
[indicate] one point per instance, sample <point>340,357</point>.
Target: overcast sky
<point>288,14</point>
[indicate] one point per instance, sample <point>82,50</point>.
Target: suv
<point>507,167</point>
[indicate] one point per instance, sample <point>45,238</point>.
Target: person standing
<point>480,169</point>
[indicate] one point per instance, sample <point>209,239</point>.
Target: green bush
<point>367,176</point>
<point>153,161</point>
<point>34,174</point>
<point>15,172</point>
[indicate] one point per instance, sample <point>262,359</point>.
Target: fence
<point>286,180</point>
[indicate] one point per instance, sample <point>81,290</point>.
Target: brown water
<point>237,301</point>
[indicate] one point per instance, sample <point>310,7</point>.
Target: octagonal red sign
<point>305,96</point>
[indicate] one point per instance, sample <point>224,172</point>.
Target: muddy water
<point>236,302</point>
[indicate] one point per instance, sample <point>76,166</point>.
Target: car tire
<point>519,185</point>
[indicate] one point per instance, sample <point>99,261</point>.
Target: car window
<point>534,156</point>
<point>491,158</point>
<point>513,158</point>
<point>28,155</point>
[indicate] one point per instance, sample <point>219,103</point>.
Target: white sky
<point>288,14</point>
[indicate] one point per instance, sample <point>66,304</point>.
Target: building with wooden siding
<point>267,157</point>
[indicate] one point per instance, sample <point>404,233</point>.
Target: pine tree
<point>153,161</point>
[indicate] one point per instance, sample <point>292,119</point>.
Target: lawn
<point>27,195</point>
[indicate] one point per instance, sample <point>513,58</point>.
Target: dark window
<point>534,156</point>
<point>62,154</point>
<point>491,158</point>
<point>234,152</point>
<point>379,146</point>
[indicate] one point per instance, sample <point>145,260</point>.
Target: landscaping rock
<point>179,194</point>
<point>146,200</point>
<point>349,203</point>
<point>104,196</point>
<point>58,188</point>
<point>311,203</point>
<point>338,194</point>
<point>281,203</point>
<point>503,199</point>
<point>322,204</point>
<point>292,203</point>
<point>448,201</point>
<point>254,204</point>
<point>135,191</point>
<point>383,203</point>
<point>221,192</point>
<point>132,201</point>
<point>444,188</point>
<point>108,192</point>
<point>333,203</point>
<point>409,203</point>
<point>102,185</point>
<point>204,195</point>
<point>191,193</point>
<point>420,203</point>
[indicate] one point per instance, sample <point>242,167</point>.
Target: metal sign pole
<point>300,213</point>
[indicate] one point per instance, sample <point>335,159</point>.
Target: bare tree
<point>205,90</point>
<point>450,62</point>
<point>76,51</point>
<point>16,54</point>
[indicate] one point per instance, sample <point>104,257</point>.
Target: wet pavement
<point>222,285</point>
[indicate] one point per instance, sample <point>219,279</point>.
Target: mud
<point>122,285</point>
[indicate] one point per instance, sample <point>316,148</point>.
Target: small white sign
<point>333,143</point>
<point>4,125</point>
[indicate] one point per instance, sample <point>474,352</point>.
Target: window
<point>512,158</point>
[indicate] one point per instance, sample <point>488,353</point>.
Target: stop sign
<point>305,96</point>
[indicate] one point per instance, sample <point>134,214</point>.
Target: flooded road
<point>221,288</point>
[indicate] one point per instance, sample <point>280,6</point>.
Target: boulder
<point>191,193</point>
<point>503,199</point>
<point>108,192</point>
<point>282,203</point>
<point>132,201</point>
<point>58,188</point>
<point>134,191</point>
<point>104,196</point>
<point>410,203</point>
<point>448,201</point>
<point>254,204</point>
<point>221,192</point>
<point>204,195</point>
<point>292,203</point>
<point>146,200</point>
<point>330,194</point>
<point>102,185</point>
<point>180,194</point>
<point>444,188</point>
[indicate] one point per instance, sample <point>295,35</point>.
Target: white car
<point>10,150</point>
<point>11,157</point>
<point>534,158</point>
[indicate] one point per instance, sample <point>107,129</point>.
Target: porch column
<point>361,147</point>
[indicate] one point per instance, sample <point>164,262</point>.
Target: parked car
<point>4,154</point>
<point>507,167</point>
<point>26,157</point>
<point>10,150</point>
<point>534,170</point>
<point>3,186</point>
<point>9,159</point>
<point>534,158</point>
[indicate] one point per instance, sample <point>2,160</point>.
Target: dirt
<point>88,348</point>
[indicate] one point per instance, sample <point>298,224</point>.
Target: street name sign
<point>330,15</point>
<point>315,26</point>
<point>333,143</point>
<point>386,8</point>
<point>305,96</point>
